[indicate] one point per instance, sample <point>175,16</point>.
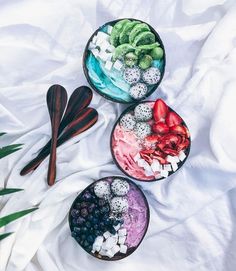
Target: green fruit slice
<point>144,49</point>
<point>115,33</point>
<point>143,38</point>
<point>130,59</point>
<point>137,30</point>
<point>157,53</point>
<point>145,62</point>
<point>124,35</point>
<point>122,50</point>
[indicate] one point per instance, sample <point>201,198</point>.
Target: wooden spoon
<point>80,99</point>
<point>85,119</point>
<point>56,102</point>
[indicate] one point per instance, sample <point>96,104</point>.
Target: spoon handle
<point>52,161</point>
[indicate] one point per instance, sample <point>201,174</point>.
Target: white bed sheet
<point>193,213</point>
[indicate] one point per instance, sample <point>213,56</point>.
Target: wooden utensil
<point>56,102</point>
<point>80,99</point>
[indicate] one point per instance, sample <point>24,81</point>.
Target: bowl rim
<point>131,107</point>
<point>103,258</point>
<point>106,96</point>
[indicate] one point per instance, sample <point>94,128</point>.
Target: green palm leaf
<point>9,218</point>
<point>5,235</point>
<point>6,191</point>
<point>4,151</point>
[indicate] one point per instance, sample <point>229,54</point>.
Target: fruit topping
<point>138,91</point>
<point>119,205</point>
<point>142,129</point>
<point>102,189</point>
<point>128,121</point>
<point>160,110</point>
<point>143,112</point>
<point>119,187</point>
<point>151,76</point>
<point>132,75</point>
<point>160,128</point>
<point>173,119</point>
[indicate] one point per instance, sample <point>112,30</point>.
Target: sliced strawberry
<point>160,128</point>
<point>160,110</point>
<point>178,129</point>
<point>173,119</point>
<point>147,151</point>
<point>183,145</point>
<point>152,139</point>
<point>161,145</point>
<point>170,138</point>
<point>187,131</point>
<point>170,151</point>
<point>146,157</point>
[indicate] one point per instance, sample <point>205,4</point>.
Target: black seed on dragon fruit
<point>142,129</point>
<point>143,112</point>
<point>151,76</point>
<point>138,91</point>
<point>128,122</point>
<point>132,75</point>
<point>119,187</point>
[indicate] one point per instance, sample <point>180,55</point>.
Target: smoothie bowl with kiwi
<point>124,60</point>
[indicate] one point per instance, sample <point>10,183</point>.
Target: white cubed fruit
<point>111,48</point>
<point>171,159</point>
<point>103,252</point>
<point>91,46</point>
<point>122,232</point>
<point>109,29</point>
<point>167,167</point>
<point>110,242</point>
<point>121,240</point>
<point>117,227</point>
<point>137,157</point>
<point>174,166</point>
<point>104,45</point>
<point>115,249</point>
<point>108,65</point>
<point>98,240</point>
<point>118,65</point>
<point>94,40</point>
<point>123,249</point>
<point>176,159</point>
<point>106,234</point>
<point>95,52</point>
<point>182,156</point>
<point>142,163</point>
<point>103,36</point>
<point>148,172</point>
<point>164,173</point>
<point>155,166</point>
<point>109,253</point>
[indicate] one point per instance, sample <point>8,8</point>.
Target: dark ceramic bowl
<point>78,205</point>
<point>180,164</point>
<point>86,72</point>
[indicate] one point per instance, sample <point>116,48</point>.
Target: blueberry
<point>90,239</point>
<point>74,221</point>
<point>84,229</point>
<point>83,204</point>
<point>90,217</point>
<point>77,230</point>
<point>105,209</point>
<point>87,196</point>
<point>95,226</point>
<point>91,207</point>
<point>97,232</point>
<point>116,222</point>
<point>101,202</point>
<point>96,213</point>
<point>112,231</point>
<point>102,225</point>
<point>84,212</point>
<point>80,221</point>
<point>74,213</point>
<point>83,237</point>
<point>73,234</point>
<point>94,220</point>
<point>88,224</point>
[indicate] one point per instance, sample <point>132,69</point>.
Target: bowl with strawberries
<point>150,141</point>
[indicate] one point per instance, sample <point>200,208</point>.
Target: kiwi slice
<point>144,49</point>
<point>143,38</point>
<point>116,30</point>
<point>137,30</point>
<point>124,34</point>
<point>122,50</point>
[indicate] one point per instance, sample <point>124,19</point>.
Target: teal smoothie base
<point>111,83</point>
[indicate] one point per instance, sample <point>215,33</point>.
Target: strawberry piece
<point>178,129</point>
<point>171,138</point>
<point>173,119</point>
<point>160,110</point>
<point>152,139</point>
<point>146,157</point>
<point>170,151</point>
<point>161,145</point>
<point>147,151</point>
<point>183,145</point>
<point>160,128</point>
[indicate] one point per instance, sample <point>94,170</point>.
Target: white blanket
<point>193,212</point>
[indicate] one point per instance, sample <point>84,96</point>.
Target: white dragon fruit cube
<point>174,166</point>
<point>123,249</point>
<point>109,29</point>
<point>103,36</point>
<point>108,65</point>
<point>182,156</point>
<point>164,173</point>
<point>115,249</point>
<point>155,166</point>
<point>121,240</point>
<point>167,167</point>
<point>122,232</point>
<point>118,65</point>
<point>137,157</point>
<point>106,234</point>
